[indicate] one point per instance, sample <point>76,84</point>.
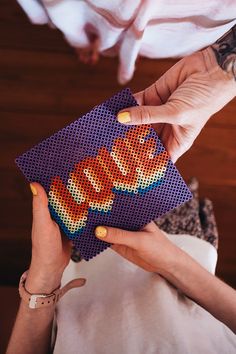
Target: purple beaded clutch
<point>97,171</point>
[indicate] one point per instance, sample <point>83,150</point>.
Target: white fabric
<point>123,309</point>
<point>155,29</point>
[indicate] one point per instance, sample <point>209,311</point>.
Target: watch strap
<point>45,300</point>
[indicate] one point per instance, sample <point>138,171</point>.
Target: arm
<point>225,52</point>
<point>32,329</point>
<point>204,288</point>
<point>50,256</point>
<point>181,102</point>
<point>151,250</point>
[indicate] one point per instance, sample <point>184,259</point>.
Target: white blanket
<point>150,28</point>
<point>123,309</point>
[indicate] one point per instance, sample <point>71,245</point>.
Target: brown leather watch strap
<point>44,300</point>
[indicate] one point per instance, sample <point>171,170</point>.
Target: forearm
<point>204,288</point>
<point>33,327</point>
<point>32,331</point>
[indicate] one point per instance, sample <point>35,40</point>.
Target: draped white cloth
<point>123,309</point>
<point>150,28</point>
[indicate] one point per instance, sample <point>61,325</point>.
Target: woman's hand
<point>50,251</point>
<point>149,248</point>
<point>50,255</point>
<point>182,100</point>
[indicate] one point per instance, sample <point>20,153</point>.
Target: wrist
<point>175,264</point>
<point>215,70</point>
<point>183,271</point>
<point>42,281</point>
<point>222,82</point>
<point>225,51</point>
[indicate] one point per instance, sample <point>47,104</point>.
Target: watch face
<point>97,171</point>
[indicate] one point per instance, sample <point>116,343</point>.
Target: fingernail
<point>100,231</point>
<point>33,189</point>
<point>124,117</point>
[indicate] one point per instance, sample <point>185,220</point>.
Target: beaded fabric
<point>97,171</point>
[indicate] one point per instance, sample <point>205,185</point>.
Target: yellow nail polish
<point>124,117</point>
<point>33,189</point>
<point>100,231</point>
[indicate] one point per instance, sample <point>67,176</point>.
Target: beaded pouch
<point>97,171</point>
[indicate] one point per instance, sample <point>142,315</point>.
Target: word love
<point>132,166</point>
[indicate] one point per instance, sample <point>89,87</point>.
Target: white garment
<point>123,309</point>
<point>155,29</point>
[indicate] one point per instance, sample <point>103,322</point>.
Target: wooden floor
<point>43,88</point>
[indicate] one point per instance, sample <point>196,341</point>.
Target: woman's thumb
<point>40,203</point>
<point>117,236</point>
<point>166,113</point>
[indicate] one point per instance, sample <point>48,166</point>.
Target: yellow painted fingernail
<point>33,189</point>
<point>100,231</point>
<point>124,117</point>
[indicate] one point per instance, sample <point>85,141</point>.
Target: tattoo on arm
<point>225,51</point>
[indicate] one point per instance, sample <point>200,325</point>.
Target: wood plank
<point>25,35</point>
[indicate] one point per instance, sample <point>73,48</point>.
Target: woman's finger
<point>155,95</point>
<point>166,113</point>
<point>117,236</point>
<point>40,203</point>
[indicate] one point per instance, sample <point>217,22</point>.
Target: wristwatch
<point>44,300</point>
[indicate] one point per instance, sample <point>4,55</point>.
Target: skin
<point>152,251</point>
<point>32,329</point>
<point>178,105</point>
<point>149,249</point>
